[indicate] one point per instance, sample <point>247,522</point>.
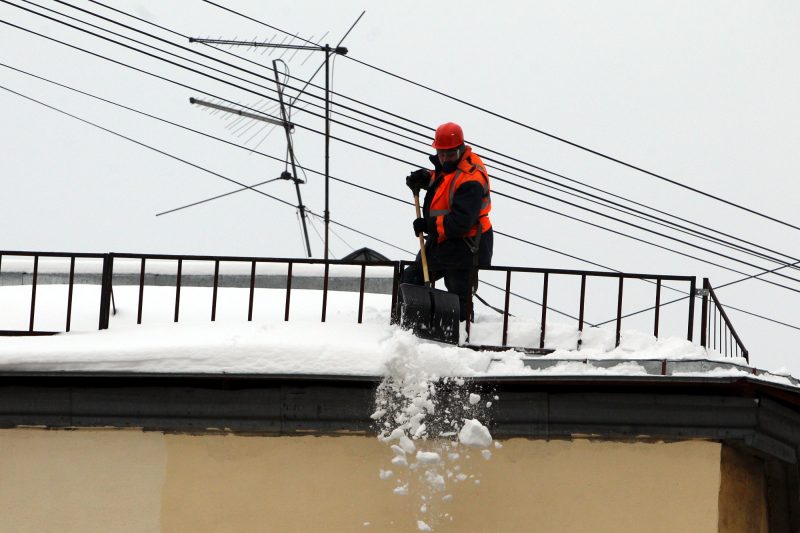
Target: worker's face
<point>448,156</point>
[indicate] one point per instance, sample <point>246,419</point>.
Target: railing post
<point>178,289</point>
<point>69,292</point>
<point>33,291</point>
<point>325,291</point>
<point>714,337</point>
<point>252,291</point>
<point>658,308</point>
<point>141,291</point>
<point>581,310</point>
<point>105,290</point>
<point>704,315</point>
<point>214,294</point>
<point>544,310</point>
<point>361,294</point>
<point>288,291</point>
<point>619,311</point>
<point>692,288</point>
<point>505,308</point>
<point>398,271</point>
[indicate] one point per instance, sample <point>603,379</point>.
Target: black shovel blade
<point>429,313</point>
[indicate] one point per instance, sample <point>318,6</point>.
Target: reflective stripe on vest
<point>483,223</point>
<point>487,200</point>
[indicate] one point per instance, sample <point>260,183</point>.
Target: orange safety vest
<point>470,168</point>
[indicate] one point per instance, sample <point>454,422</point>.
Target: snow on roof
<point>305,346</point>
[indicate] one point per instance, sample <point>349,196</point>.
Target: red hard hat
<point>448,136</point>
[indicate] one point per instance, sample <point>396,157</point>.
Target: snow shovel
<point>429,313</point>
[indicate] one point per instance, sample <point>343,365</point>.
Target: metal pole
<point>287,129</point>
<point>327,143</point>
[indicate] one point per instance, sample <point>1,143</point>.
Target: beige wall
<point>743,493</point>
<point>128,480</point>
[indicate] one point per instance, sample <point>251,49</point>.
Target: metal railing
<point>106,281</point>
<point>547,273</point>
<point>71,283</point>
<point>717,331</point>
<point>253,261</point>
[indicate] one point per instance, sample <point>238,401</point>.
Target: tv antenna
<point>288,128</point>
<point>328,50</point>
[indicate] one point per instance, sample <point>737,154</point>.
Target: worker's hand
<point>419,179</point>
<point>420,226</point>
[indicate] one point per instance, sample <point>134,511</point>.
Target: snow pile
<point>430,420</point>
<point>304,345</point>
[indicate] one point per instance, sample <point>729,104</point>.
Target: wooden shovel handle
<point>422,245</point>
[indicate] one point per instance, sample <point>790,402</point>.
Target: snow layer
<point>304,345</point>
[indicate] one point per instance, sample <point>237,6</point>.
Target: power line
<point>540,131</point>
<point>659,221</point>
<point>377,151</point>
<point>301,167</point>
<point>407,162</point>
<point>311,212</point>
<point>503,155</point>
<point>199,167</point>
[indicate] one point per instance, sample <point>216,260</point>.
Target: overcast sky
<point>704,93</point>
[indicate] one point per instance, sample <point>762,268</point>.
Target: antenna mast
<point>341,50</point>
<point>288,127</point>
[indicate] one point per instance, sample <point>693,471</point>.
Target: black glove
<point>420,226</point>
<point>419,179</point>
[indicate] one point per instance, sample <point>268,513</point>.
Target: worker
<point>455,216</point>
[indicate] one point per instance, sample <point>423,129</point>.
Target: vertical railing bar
<point>361,294</point>
<point>581,311</point>
<point>106,290</point>
<point>252,291</point>
<point>658,307</point>
<point>714,336</point>
<point>505,308</point>
<point>729,330</point>
<point>69,291</point>
<point>393,318</point>
<point>704,315</point>
<point>288,291</point>
<point>33,290</point>
<point>544,309</point>
<point>214,294</point>
<point>469,314</point>
<point>619,311</point>
<point>141,292</point>
<point>325,292</point>
<point>692,288</point>
<point>178,289</point>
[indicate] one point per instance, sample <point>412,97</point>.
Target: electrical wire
<point>567,216</point>
<point>311,212</point>
<point>427,127</point>
<point>540,131</point>
<point>370,149</point>
<point>737,247</point>
<point>316,231</point>
<point>332,221</point>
